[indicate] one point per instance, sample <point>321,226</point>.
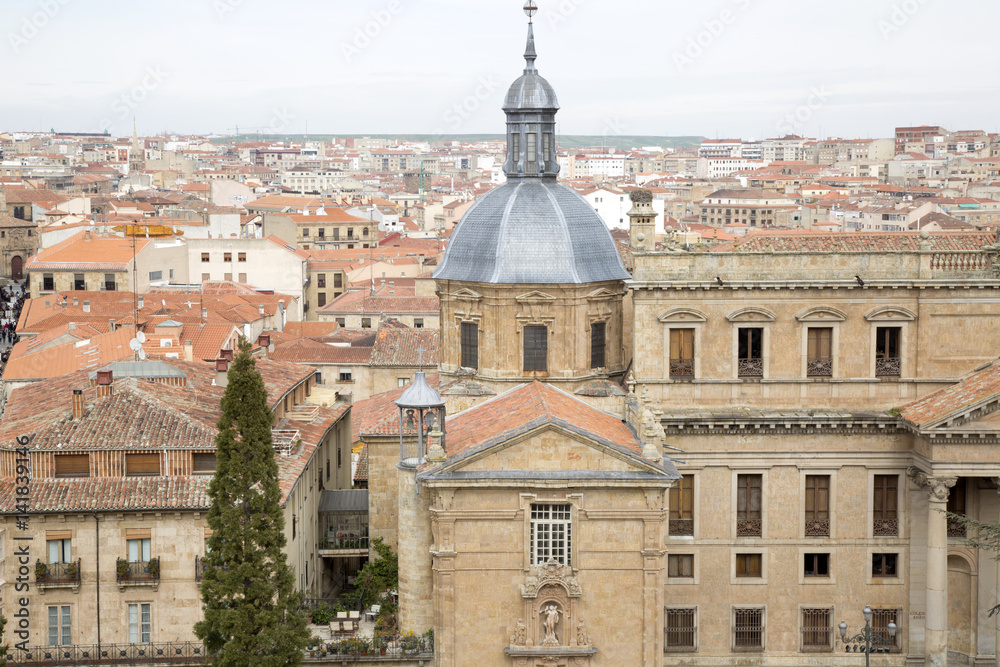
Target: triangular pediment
<point>535,296</point>
<point>467,294</point>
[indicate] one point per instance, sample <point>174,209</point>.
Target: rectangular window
<point>59,626</point>
<point>227,257</point>
<point>598,344</point>
<point>203,463</point>
<point>350,232</point>
<point>680,631</point>
<point>680,566</point>
<point>885,506</point>
<point>470,345</point>
<point>748,565</point>
<point>227,276</point>
<point>366,323</point>
<point>402,382</point>
<point>59,551</point>
<point>551,534</point>
<point>305,231</point>
<point>817,630</point>
<point>887,360</point>
<point>79,284</point>
<point>515,150</point>
<point>748,630</point>
<point>750,348</point>
<point>241,257</point>
<point>418,323</point>
<point>682,354</point>
<point>884,565</point>
<point>139,623</point>
<point>138,550</point>
<point>205,257</point>
<point>338,280</point>
<point>48,282</point>
<point>536,348</point>
<point>748,505</point>
<point>681,501</point>
<point>109,282</point>
<point>345,376</point>
<point>72,465</point>
<point>243,278</point>
<point>321,299</point>
<point>880,626</point>
<point>321,280</point>
<point>532,152</point>
<point>817,506</point>
<point>546,147</point>
<point>341,322</point>
<point>336,233</point>
<point>155,275</point>
<point>144,465</point>
<point>816,565</point>
<point>956,505</point>
<point>819,356</point>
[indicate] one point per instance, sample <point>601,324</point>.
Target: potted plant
<point>123,569</point>
<point>381,642</point>
<point>41,571</point>
<point>409,642</point>
<point>154,567</point>
<point>71,571</point>
<point>322,614</point>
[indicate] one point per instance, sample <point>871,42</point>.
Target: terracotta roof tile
<point>401,347</point>
<point>975,387</point>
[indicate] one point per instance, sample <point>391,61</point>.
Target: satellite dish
<point>142,354</point>
<point>135,345</point>
<point>141,337</point>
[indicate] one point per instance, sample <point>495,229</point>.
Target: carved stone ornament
<point>937,488</point>
<point>582,638</point>
<point>520,635</point>
<point>550,573</point>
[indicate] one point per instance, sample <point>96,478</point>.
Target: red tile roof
<point>94,254</point>
<point>974,388</point>
<point>401,347</point>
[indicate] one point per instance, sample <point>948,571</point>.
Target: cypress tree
<point>248,591</point>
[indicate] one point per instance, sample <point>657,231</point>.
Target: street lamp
<point>863,642</point>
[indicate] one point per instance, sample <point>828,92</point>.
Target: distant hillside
<point>570,141</point>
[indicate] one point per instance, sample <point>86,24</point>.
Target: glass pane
<point>145,550</point>
<point>53,551</point>
<point>133,551</point>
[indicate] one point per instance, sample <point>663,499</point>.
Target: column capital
<point>937,488</point>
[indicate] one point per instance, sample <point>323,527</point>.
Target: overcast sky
<point>719,68</point>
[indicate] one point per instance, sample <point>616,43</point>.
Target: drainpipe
<point>97,549</point>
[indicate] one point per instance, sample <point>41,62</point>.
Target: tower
<point>642,221</point>
<point>136,154</point>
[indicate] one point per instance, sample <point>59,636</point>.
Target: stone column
<point>996,645</point>
<point>936,623</point>
<point>415,579</point>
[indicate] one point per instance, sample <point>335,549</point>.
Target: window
<point>551,534</point>
<point>321,299</point>
<point>817,506</point>
<point>956,505</point>
<point>880,625</point>
<point>680,566</point>
<point>516,147</point>
<point>887,359</point>
<point>206,276</point>
<point>109,282</point>
<point>203,463</point>
<point>345,376</point>
<point>138,550</point>
<point>819,356</point>
<point>350,232</point>
<point>227,257</point>
<point>338,280</point>
<point>748,629</point>
<point>366,323</point>
<point>139,623</point>
<point>817,629</point>
<point>205,257</point>
<point>59,626</point>
<point>418,323</point>
<point>48,283</point>
<point>142,465</point>
<point>59,551</point>
<point>321,280</point>
<point>748,506</point>
<point>79,284</point>
<point>884,565</point>
<point>402,382</point>
<point>682,354</point>
<point>336,233</point>
<point>885,514</point>
<point>536,348</point>
<point>155,275</point>
<point>243,278</point>
<point>680,630</point>
<point>72,465</point>
<point>546,147</point>
<point>681,501</point>
<point>470,345</point>
<point>241,257</point>
<point>227,276</point>
<point>748,565</point>
<point>305,231</point>
<point>750,346</point>
<point>532,152</point>
<point>598,344</point>
<point>817,565</point>
<point>340,459</point>
<point>341,322</point>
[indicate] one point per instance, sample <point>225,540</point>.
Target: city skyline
<point>738,68</point>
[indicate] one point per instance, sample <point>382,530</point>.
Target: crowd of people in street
<point>11,300</point>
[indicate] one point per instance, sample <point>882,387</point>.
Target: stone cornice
<point>788,423</point>
<point>851,285</point>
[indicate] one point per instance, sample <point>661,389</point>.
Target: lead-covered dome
<point>531,231</point>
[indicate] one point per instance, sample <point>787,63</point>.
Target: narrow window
<point>79,284</point>
<point>682,354</point>
<point>682,507</point>
<point>551,534</point>
<point>536,348</point>
<point>817,506</point>
<point>680,566</point>
<point>598,345</point>
<point>748,506</point>
<point>109,282</point>
<point>547,147</point>
<point>139,623</point>
<point>470,345</point>
<point>751,355</point>
<point>321,299</point>
<point>817,630</point>
<point>883,565</point>
<point>321,280</point>
<point>48,282</point>
<point>338,280</point>
<point>321,232</point>
<point>885,512</point>
<point>59,626</point>
<point>748,629</point>
<point>515,151</point>
<point>887,359</point>
<point>748,565</point>
<point>956,505</point>
<point>680,630</point>
<point>816,565</point>
<point>532,153</point>
<point>819,359</point>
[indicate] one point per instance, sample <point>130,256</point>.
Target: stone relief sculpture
<point>582,638</point>
<point>519,638</point>
<point>551,614</point>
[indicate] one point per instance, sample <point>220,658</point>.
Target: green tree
<point>379,575</point>
<point>986,536</point>
<point>3,647</point>
<point>251,607</point>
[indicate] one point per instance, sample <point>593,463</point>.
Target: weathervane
<point>530,8</point>
<point>420,357</point>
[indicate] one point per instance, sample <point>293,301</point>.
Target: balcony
<point>888,367</point>
<point>57,575</point>
<point>343,523</point>
<point>819,367</point>
<point>682,369</point>
<point>138,573</point>
<point>751,368</point>
<point>110,654</point>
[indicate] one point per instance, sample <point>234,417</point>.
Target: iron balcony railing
<point>199,568</point>
<point>137,571</point>
<point>109,654</point>
<point>57,573</point>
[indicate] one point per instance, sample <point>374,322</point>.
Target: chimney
<point>76,301</point>
<point>204,313</point>
<point>111,324</point>
<point>105,383</point>
<point>86,306</point>
<point>141,302</point>
<point>86,235</point>
<point>221,373</point>
<point>77,404</point>
<point>226,354</point>
<point>263,340</point>
<point>260,309</point>
<point>188,351</point>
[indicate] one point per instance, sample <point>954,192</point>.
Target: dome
<point>530,92</point>
<point>531,231</point>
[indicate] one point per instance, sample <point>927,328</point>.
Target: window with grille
<point>884,565</point>
<point>817,506</point>
<point>817,630</point>
<point>748,506</point>
<point>203,463</point>
<point>551,534</point>
<point>819,356</point>
<point>748,629</point>
<point>470,345</point>
<point>750,349</point>
<point>956,505</point>
<point>885,506</point>
<point>321,280</point>
<point>748,565</point>
<point>48,282</point>
<point>880,626</point>
<point>680,630</point>
<point>59,626</point>
<point>598,344</point>
<point>139,623</point>
<point>888,363</point>
<point>682,354</point>
<point>536,348</point>
<point>681,501</point>
<point>816,565</point>
<point>680,566</point>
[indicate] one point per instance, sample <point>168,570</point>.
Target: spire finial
<point>530,8</point>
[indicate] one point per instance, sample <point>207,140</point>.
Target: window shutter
<point>72,465</point>
<point>203,463</point>
<point>142,464</point>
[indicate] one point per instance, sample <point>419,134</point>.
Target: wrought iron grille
<point>956,528</point>
<point>749,528</point>
<point>109,654</point>
<point>885,528</point>
<point>748,630</point>
<point>820,367</point>
<point>138,570</point>
<point>681,527</point>
<point>679,630</point>
<point>57,573</point>
<point>818,528</point>
<point>817,630</point>
<point>888,367</point>
<point>682,369</point>
<point>880,626</point>
<point>751,368</point>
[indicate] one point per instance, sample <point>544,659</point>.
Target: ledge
<point>543,651</point>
